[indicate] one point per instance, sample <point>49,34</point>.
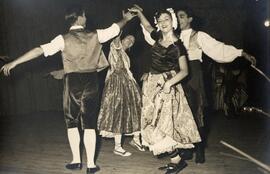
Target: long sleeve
<point>217,50</point>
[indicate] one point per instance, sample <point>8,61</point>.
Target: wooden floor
<point>37,144</point>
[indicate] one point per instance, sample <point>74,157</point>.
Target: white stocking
<point>90,146</point>
<point>74,142</point>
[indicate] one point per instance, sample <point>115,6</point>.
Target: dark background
<point>25,24</point>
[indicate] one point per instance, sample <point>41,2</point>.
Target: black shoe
<point>92,170</point>
<point>200,157</point>
<point>186,154</point>
<point>176,168</point>
<point>74,166</point>
<point>167,166</point>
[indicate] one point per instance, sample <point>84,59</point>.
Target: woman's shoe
<point>186,154</point>
<point>167,166</point>
<point>92,170</point>
<point>137,145</point>
<point>176,168</point>
<point>74,166</point>
<point>122,153</point>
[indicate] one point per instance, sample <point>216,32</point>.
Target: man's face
<point>184,20</point>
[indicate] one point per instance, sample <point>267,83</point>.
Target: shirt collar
<point>75,27</point>
<point>185,32</point>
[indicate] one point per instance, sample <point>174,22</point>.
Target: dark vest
<point>83,52</point>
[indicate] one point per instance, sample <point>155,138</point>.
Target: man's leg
<point>90,146</point>
<point>200,148</point>
<point>74,142</point>
<point>71,112</point>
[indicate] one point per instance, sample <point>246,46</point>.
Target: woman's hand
<point>144,77</point>
<point>135,9</point>
<point>7,68</point>
<point>167,87</point>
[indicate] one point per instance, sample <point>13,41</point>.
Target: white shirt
<point>58,44</point>
<point>216,50</point>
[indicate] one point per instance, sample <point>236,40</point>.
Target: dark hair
<point>197,22</point>
<point>187,10</point>
<point>73,12</point>
<point>156,35</point>
<point>160,12</point>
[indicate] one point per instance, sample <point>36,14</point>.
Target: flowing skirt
<point>120,111</point>
<point>167,121</point>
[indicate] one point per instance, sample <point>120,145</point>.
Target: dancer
<point>120,111</point>
<point>82,57</point>
<point>167,121</point>
<point>196,43</point>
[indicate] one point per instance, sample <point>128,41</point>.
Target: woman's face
<point>165,22</point>
<point>128,42</point>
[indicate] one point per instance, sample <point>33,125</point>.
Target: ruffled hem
<point>166,145</point>
<point>107,134</point>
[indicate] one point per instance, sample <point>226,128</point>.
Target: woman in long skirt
<point>167,120</point>
<point>120,111</point>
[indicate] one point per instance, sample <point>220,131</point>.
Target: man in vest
<point>196,43</point>
<point>82,57</point>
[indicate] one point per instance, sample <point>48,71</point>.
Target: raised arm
<point>106,34</point>
<point>147,36</point>
<point>145,23</point>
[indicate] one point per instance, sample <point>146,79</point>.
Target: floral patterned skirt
<point>120,111</point>
<point>167,121</point>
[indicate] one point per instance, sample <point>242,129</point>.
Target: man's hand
<point>249,57</point>
<point>7,68</point>
<point>127,15</point>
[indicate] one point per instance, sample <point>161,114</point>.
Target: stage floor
<point>37,144</point>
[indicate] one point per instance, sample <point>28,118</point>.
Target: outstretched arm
<point>57,44</point>
<point>32,54</point>
<point>219,51</point>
